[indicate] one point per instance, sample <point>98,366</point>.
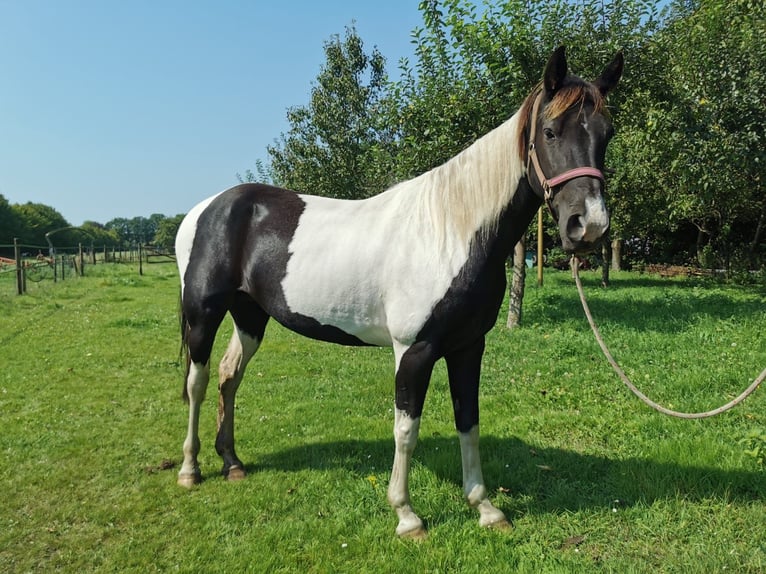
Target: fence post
<point>140,259</point>
<point>82,261</point>
<point>19,270</point>
<point>92,254</point>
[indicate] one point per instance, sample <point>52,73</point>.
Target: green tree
<point>694,148</point>
<point>37,219</point>
<point>98,235</point>
<point>335,145</point>
<point>10,224</point>
<point>166,231</point>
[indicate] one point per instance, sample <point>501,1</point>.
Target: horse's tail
<point>184,350</point>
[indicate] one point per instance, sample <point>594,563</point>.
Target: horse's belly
<point>319,311</point>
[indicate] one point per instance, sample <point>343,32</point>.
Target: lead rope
<point>575,263</point>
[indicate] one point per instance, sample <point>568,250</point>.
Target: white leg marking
<point>406,432</point>
<point>473,481</point>
<point>196,386</point>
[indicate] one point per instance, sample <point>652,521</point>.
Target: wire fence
<point>22,263</point>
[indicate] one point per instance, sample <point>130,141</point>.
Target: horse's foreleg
<point>406,432</point>
<point>473,482</point>
<point>414,366</point>
<point>464,368</point>
<point>196,385</point>
<point>241,349</point>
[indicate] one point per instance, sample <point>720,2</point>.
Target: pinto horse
<point>420,268</point>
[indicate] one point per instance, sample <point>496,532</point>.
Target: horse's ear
<point>611,75</point>
<point>555,71</point>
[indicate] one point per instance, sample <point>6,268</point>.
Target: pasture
<point>92,427</point>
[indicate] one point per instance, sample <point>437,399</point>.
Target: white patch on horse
<point>596,219</point>
<point>375,268</point>
<point>185,236</point>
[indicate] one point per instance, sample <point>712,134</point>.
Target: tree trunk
<point>756,236</point>
<point>606,256</point>
<point>517,285</point>
<point>616,254</point>
<point>699,246</point>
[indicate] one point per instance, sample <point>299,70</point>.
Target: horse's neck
<point>514,221</point>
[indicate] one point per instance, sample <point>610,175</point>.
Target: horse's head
<point>569,128</point>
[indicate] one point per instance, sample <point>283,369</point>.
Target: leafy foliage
<point>689,152</point>
<point>335,144</point>
<point>692,151</point>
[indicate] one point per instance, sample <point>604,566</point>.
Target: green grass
<point>592,479</point>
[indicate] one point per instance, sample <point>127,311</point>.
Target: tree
<point>98,235</point>
<point>135,230</point>
<point>335,145</point>
<point>37,219</point>
<point>10,222</point>
<point>167,230</point>
<point>718,144</point>
<point>121,226</point>
<point>689,151</point>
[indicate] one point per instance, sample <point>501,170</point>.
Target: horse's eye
<point>549,135</point>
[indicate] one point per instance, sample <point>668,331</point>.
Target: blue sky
<point>112,108</point>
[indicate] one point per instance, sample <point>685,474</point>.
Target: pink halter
<point>549,184</point>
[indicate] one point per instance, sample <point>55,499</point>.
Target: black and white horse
<point>420,268</point>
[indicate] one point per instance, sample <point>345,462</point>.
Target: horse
<point>419,267</point>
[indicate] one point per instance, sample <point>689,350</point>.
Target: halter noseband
<point>549,184</point>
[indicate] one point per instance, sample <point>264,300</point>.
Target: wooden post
<point>82,260</point>
<point>105,257</point>
<point>19,269</point>
<point>540,247</point>
<point>92,254</point>
<point>140,259</point>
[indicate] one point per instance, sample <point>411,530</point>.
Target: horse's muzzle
<point>581,233</point>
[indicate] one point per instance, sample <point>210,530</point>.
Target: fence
<point>29,263</point>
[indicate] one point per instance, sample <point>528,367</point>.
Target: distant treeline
<point>31,222</point>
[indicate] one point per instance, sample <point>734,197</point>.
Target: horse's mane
<point>469,192</point>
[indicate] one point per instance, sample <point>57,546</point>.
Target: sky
<point>112,108</point>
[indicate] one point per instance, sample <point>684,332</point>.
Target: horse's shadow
<point>537,480</point>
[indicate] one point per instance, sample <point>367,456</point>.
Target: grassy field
<point>92,426</point>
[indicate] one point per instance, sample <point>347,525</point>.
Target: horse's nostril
<point>575,228</point>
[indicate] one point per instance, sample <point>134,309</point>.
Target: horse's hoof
<point>236,473</point>
<point>417,534</point>
<point>500,525</point>
<point>189,480</point>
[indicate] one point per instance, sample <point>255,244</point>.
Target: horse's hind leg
<point>249,325</point>
<point>196,385</point>
<point>201,334</point>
